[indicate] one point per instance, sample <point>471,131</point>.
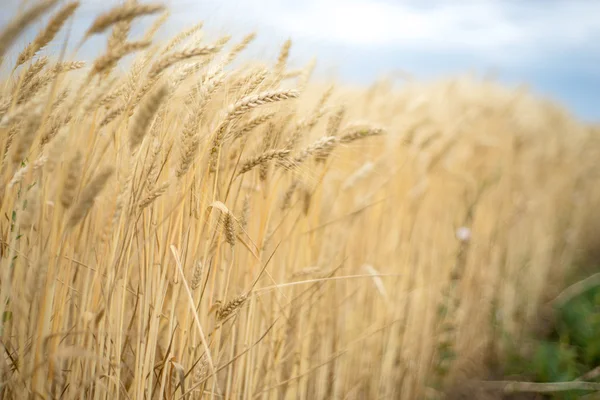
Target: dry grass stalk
<point>49,33</point>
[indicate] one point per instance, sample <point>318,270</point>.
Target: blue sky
<point>552,46</point>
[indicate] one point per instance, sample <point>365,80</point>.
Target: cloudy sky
<point>551,45</point>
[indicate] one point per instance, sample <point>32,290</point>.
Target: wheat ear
<point>108,60</point>
<point>229,308</point>
<point>318,149</point>
<point>72,180</point>
<point>88,196</point>
<point>48,34</point>
<point>145,116</point>
<point>171,59</point>
<point>263,158</point>
<point>361,134</point>
<point>15,27</point>
<point>126,12</point>
<point>241,107</point>
<point>180,37</point>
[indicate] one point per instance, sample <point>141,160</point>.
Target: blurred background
<point>551,46</point>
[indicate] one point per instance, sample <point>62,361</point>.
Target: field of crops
<point>190,229</point>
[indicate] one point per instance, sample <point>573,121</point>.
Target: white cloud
<point>373,23</point>
<point>493,30</point>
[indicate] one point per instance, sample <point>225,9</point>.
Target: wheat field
<point>193,229</point>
